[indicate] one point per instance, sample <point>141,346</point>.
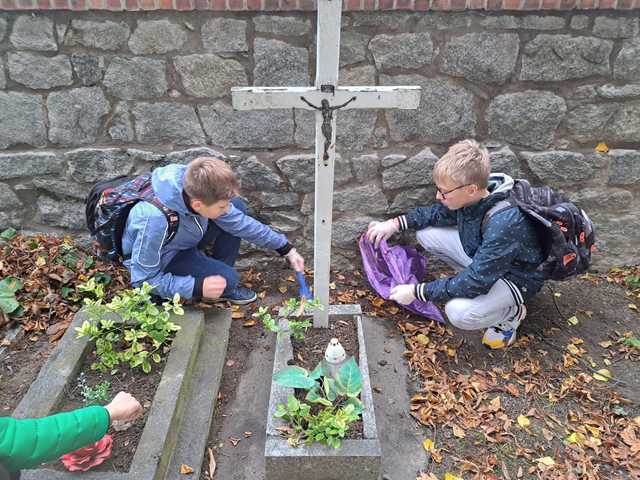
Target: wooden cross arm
<point>267,98</point>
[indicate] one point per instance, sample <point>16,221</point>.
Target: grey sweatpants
<point>502,302</point>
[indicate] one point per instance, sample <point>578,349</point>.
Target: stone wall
<point>84,96</point>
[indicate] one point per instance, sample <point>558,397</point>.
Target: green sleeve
<point>29,442</point>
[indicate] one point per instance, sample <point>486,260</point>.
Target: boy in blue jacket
<point>496,264</point>
<point>204,195</point>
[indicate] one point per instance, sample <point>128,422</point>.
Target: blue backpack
<point>107,206</point>
<point>565,232</point>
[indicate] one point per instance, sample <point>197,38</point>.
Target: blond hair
<point>209,180</point>
<point>465,163</point>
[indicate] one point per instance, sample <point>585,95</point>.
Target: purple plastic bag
<point>388,266</point>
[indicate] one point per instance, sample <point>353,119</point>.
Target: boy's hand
<point>403,294</point>
<point>296,260</point>
<point>213,286</point>
<point>124,407</point>
<point>379,231</point>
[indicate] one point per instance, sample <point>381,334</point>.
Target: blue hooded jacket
<point>508,248</point>
<point>146,229</point>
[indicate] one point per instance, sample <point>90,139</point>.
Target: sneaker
<point>239,296</point>
<point>504,334</point>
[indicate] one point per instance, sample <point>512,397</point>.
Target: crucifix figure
<point>326,98</point>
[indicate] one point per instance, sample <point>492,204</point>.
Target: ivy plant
<point>138,337</point>
<point>337,397</point>
<point>9,304</point>
<point>297,314</point>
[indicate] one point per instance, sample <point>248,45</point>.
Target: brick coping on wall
<point>308,5</point>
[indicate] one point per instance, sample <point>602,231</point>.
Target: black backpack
<point>565,232</point>
<point>108,205</point>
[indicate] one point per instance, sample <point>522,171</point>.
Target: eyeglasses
<point>444,194</point>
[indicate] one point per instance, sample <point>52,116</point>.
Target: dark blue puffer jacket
<point>509,247</point>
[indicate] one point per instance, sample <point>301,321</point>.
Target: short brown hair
<point>210,180</point>
<point>465,163</point>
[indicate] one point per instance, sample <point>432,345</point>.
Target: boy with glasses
<point>496,263</point>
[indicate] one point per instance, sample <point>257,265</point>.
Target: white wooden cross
<point>325,93</point>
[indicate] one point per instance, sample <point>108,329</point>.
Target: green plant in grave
<point>338,397</point>
<point>292,310</point>
<point>98,395</point>
<point>139,338</point>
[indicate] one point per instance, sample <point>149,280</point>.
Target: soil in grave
<point>309,352</point>
<point>134,381</point>
<point>19,367</point>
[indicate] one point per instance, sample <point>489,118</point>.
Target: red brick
<point>369,5</point>
<point>568,4</point>
<point>607,4</point>
<point>353,5</point>
<point>458,4</point>
<point>307,5</point>
<point>476,4</point>
<point>25,5</point>
<point>218,4</point>
<point>586,4</point>
<point>7,5</point>
<point>625,4</point>
<point>385,4</point>
<point>288,5</point>
<point>78,5</point>
<point>114,4</point>
<point>183,5</point>
<point>494,4</point>
<point>43,5</point>
<point>254,4</point>
<point>550,4</point>
<point>271,4</point>
<point>131,4</point>
<point>511,4</point>
<point>60,4</point>
<point>531,4</point>
<point>165,4</point>
<point>147,4</point>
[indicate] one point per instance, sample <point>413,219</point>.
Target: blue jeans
<point>224,252</point>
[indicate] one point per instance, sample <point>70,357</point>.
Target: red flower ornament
<point>87,457</point>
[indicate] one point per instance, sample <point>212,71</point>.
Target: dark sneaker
<point>239,296</point>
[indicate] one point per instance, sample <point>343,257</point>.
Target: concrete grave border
<point>180,385</point>
<point>355,459</point>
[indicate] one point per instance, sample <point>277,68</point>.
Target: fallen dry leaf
<point>212,463</point>
<point>512,389</point>
<point>602,148</point>
<point>230,363</point>
<point>185,469</point>
<point>249,323</point>
<point>234,441</point>
<point>523,421</point>
<point>603,375</point>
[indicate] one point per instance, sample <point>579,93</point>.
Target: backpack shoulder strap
<point>173,220</point>
<point>497,208</point>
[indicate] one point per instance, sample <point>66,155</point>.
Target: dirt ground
<point>535,410</point>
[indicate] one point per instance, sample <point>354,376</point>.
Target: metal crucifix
<point>325,98</point>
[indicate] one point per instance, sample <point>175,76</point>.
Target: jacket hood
<point>500,182</point>
<point>167,185</point>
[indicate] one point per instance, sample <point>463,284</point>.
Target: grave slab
<point>355,459</point>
